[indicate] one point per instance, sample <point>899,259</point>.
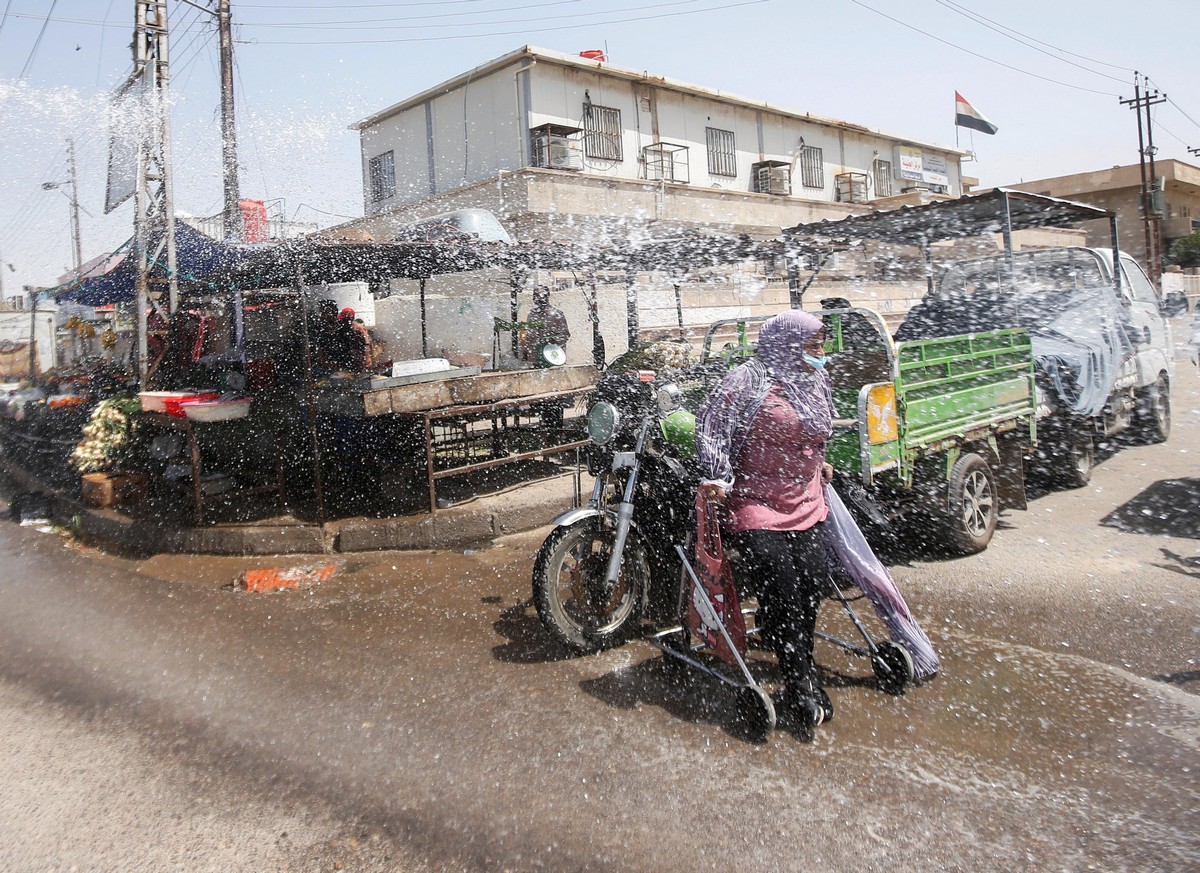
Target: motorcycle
<point>611,563</point>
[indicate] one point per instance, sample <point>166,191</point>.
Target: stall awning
<point>974,215</point>
<point>113,278</point>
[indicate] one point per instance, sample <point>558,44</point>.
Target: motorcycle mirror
<point>670,398</point>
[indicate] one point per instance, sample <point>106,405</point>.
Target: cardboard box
<point>101,490</point>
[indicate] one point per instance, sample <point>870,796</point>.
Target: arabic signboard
<point>917,165</point>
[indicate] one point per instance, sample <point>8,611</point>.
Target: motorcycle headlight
<point>670,398</point>
<point>602,422</point>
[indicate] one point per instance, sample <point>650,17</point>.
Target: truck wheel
<point>1074,468</point>
<point>1154,412</point>
<point>973,507</point>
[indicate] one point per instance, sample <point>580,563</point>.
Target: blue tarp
<point>197,256</point>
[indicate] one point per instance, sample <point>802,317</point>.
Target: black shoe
<point>802,714</point>
<point>826,704</point>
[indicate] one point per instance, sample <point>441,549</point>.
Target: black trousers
<point>788,572</point>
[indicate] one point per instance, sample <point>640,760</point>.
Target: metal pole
<point>32,333</point>
<point>1136,104</point>
<point>310,394</point>
<point>76,228</point>
<point>1155,260</point>
<point>631,310</point>
<point>229,157</point>
<point>424,326</point>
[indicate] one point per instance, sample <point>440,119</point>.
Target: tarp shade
<point>970,216</point>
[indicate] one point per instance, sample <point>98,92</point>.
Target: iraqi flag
<point>966,115</point>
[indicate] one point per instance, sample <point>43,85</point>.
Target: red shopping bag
<point>714,602</point>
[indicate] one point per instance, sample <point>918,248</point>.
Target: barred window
<point>602,132</point>
<point>812,167</point>
<point>883,178</point>
<point>722,157</point>
<point>382,176</point>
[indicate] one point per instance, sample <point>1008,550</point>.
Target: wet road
<point>409,714</point>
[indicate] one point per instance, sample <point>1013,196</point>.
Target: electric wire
<point>354,5</point>
<point>981,56</point>
<point>7,6</point>
<point>501,33</point>
<point>381,23</point>
<point>37,42</point>
<point>1173,103</point>
<point>353,23</point>
<point>100,51</point>
<point>1000,29</point>
<point>949,3</point>
<point>237,70</point>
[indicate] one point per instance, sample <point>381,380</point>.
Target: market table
<point>470,421</point>
<point>230,429</point>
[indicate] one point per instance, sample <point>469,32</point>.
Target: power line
<point>1000,29</point>
<point>353,5</point>
<point>964,9</point>
<point>348,25</point>
<point>237,69</point>
<point>37,42</point>
<point>501,33</point>
<point>353,23</point>
<point>7,7</point>
<point>980,56</point>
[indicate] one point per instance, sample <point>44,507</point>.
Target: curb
<point>523,508</point>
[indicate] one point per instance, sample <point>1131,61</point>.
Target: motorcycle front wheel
<point>574,601</point>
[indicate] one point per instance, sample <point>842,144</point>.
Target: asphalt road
<point>408,714</point>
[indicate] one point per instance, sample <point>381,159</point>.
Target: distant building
<point>543,139</point>
<point>1120,189</point>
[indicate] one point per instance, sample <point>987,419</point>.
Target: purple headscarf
<point>723,422</point>
<point>781,342</point>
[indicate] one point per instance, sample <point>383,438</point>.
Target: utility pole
<point>229,152</point>
<point>76,227</point>
<point>1142,102</point>
<point>154,209</point>
<point>232,222</point>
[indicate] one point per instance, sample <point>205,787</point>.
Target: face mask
<point>815,363</point>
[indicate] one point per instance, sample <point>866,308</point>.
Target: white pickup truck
<point>1101,342</point>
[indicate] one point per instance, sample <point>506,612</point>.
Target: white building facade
<point>564,147</point>
<point>734,162</point>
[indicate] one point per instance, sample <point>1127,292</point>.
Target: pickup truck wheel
<point>973,509</point>
<point>1154,413</point>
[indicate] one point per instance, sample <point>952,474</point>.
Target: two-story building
<point>543,139</point>
<point>569,147</point>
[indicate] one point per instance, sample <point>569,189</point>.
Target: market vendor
<point>545,324</point>
<point>357,338</point>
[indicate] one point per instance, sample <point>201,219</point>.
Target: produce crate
<point>101,490</point>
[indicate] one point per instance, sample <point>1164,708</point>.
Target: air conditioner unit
<point>773,180</point>
<point>564,154</point>
<point>557,152</point>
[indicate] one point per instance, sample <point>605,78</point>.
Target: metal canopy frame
<point>1001,210</point>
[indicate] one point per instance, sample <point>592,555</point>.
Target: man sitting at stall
<point>353,335</point>
<point>546,325</point>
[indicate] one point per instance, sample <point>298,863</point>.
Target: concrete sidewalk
<point>472,522</point>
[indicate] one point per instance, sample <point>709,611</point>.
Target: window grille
<point>722,157</point>
<point>883,178</point>
<point>812,167</point>
<point>666,162</point>
<point>602,132</point>
<point>382,173</point>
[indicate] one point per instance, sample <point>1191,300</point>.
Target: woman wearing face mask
<point>761,439</point>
